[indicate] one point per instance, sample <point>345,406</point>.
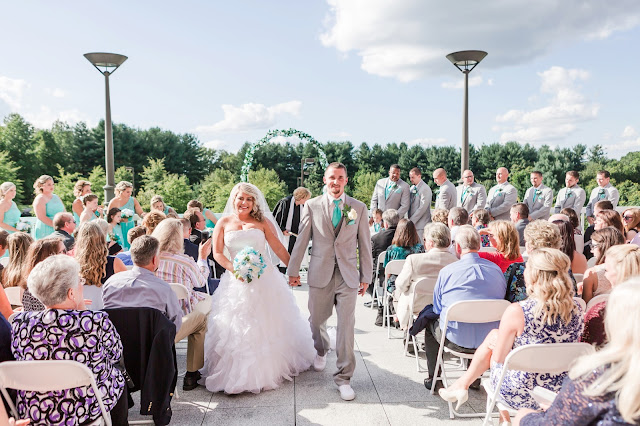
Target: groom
<point>339,227</point>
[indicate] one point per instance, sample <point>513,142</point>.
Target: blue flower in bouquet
<point>248,264</point>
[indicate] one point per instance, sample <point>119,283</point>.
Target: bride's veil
<point>266,212</point>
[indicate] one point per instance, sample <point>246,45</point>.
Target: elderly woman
<point>622,262</point>
<point>125,201</point>
<point>18,245</point>
<point>548,315</point>
<point>176,267</point>
<point>80,189</point>
<point>631,219</point>
<point>503,235</point>
<point>67,330</point>
<point>38,251</point>
<point>568,247</point>
<point>9,211</point>
<point>602,388</point>
<point>45,205</point>
<point>595,280</point>
<point>158,204</point>
<point>209,216</point>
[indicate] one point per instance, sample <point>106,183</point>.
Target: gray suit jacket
<point>474,198</point>
<point>446,198</point>
<point>398,198</point>
<point>571,198</point>
<point>330,246</point>
<point>608,193</point>
<point>541,208</point>
<point>500,200</point>
<point>420,206</point>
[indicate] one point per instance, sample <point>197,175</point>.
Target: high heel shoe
<point>460,395</point>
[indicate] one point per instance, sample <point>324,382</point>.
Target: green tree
<point>174,188</point>
<point>46,152</point>
<point>64,186</point>
<point>215,189</point>
<point>269,183</point>
<point>9,173</point>
<point>98,180</point>
<point>364,184</point>
<point>18,141</point>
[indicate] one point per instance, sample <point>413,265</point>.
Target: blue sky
<point>557,73</point>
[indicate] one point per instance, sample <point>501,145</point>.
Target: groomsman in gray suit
<point>539,198</point>
<point>420,205</point>
<point>446,195</point>
<point>391,193</point>
<point>604,191</point>
<point>502,196</point>
<point>470,195</point>
<point>571,196</point>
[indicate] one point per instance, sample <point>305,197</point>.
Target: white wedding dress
<point>256,336</point>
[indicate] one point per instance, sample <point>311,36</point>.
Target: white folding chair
<point>582,303</point>
<point>14,294</point>
<point>470,312</point>
<point>4,261</point>
<point>423,288</point>
<point>599,298</point>
<point>488,249</point>
<point>375,294</point>
<point>45,376</point>
<point>12,316</point>
<point>182,292</point>
<point>578,277</point>
<point>591,262</point>
<point>548,358</point>
<point>394,267</point>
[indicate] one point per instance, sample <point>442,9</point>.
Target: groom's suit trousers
<point>337,293</point>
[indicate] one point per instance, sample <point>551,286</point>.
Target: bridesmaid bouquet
<point>126,214</point>
<point>248,264</point>
<point>23,227</point>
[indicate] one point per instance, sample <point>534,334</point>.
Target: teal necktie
<point>337,215</point>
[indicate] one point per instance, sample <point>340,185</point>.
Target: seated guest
<point>64,225</point>
<point>197,221</point>
<point>568,247</point>
<point>577,231</point>
<point>456,218</point>
<point>113,247</point>
<point>595,280</point>
<point>13,274</point>
<point>379,243</point>
<point>480,220</point>
<point>622,262</point>
<point>151,220</point>
<point>176,267</point>
<point>601,388</point>
<point>158,205</point>
<point>135,232</point>
<point>504,237</point>
<point>440,215</point>
<point>38,251</point>
<point>609,218</point>
<point>210,217</point>
<point>190,249</point>
<point>139,287</point>
<point>520,217</point>
<point>598,207</point>
<point>631,218</point>
<point>437,239</point>
<point>67,330</point>
<point>375,222</point>
<point>548,315</point>
<point>470,278</point>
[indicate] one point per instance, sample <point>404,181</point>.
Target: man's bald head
<point>439,176</point>
<point>502,174</point>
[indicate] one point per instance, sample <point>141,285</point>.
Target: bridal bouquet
<point>248,264</point>
<point>23,226</point>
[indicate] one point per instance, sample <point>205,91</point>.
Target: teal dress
<point>118,234</point>
<point>125,226</point>
<point>53,207</point>
<point>209,223</point>
<point>75,216</point>
<point>12,216</point>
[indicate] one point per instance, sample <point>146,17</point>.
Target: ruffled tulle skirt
<point>256,336</point>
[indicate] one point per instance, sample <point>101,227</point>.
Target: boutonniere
<point>569,194</point>
<point>413,190</point>
<point>349,214</point>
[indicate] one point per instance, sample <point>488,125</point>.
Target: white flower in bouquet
<point>23,227</point>
<point>352,215</point>
<point>126,213</point>
<point>248,264</point>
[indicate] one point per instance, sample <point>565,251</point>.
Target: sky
<point>558,73</point>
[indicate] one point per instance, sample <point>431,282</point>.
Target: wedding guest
<point>538,198</point>
<point>9,211</point>
<point>577,231</point>
<point>504,237</point>
<point>3,247</point>
<point>419,201</point>
<point>114,217</point>
<point>152,220</point>
<point>469,278</point>
<point>190,249</point>
<point>134,233</point>
<point>571,196</point>
<point>287,213</point>
<point>621,264</point>
<point>441,216</point>
<point>140,287</point>
<point>391,193</point>
<point>568,247</point>
<point>548,315</point>
<point>480,220</point>
<point>197,221</point>
<point>631,218</point>
<point>80,189</point>
<point>208,214</point>
<point>379,243</point>
<point>68,331</point>
<point>405,242</point>
<point>124,200</point>
<point>604,191</point>
<point>599,206</point>
<point>91,209</point>
<point>502,196</point>
<point>606,218</point>
<point>601,388</point>
<point>64,225</point>
<point>158,204</point>
<point>470,195</point>
<point>595,281</point>
<point>519,215</point>
<point>456,218</point>
<point>12,274</point>
<point>38,251</point>
<point>375,222</point>
<point>446,194</point>
<point>45,205</point>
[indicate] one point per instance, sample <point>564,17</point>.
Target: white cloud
<point>252,116</point>
<point>567,107</point>
<point>459,83</point>
<point>409,39</point>
<point>341,135</point>
<point>56,93</point>
<point>629,132</point>
<point>44,117</point>
<point>216,144</point>
<point>630,142</point>
<point>427,141</point>
<point>12,91</point>
<point>284,139</point>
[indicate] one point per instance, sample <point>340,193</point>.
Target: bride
<point>256,335</point>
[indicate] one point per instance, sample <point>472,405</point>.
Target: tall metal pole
<point>302,171</point>
<point>464,163</point>
<point>108,145</point>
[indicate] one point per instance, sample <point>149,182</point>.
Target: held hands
<point>286,233</point>
<point>362,288</point>
<point>294,281</point>
<point>204,249</point>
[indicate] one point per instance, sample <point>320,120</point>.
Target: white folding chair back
<point>599,298</point>
<point>182,292</point>
<point>579,277</point>
<point>394,267</point>
<point>44,376</point>
<point>591,262</point>
<point>376,294</point>
<point>423,289</point>
<point>14,294</point>
<point>12,316</point>
<point>549,358</point>
<point>488,249</point>
<point>582,303</point>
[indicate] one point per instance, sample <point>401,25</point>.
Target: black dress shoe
<point>191,380</point>
<point>368,304</point>
<point>428,383</point>
<point>476,384</point>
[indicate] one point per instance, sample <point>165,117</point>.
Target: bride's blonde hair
<point>251,190</point>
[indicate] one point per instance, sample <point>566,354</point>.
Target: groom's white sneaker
<point>320,362</point>
<point>346,392</point>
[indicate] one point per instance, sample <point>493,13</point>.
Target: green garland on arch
<point>248,156</point>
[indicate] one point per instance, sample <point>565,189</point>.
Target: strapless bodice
<point>235,241</point>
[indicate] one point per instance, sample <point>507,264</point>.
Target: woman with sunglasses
<point>595,282</point>
<point>631,221</point>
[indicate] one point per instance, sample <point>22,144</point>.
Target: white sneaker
<point>320,362</point>
<point>346,392</point>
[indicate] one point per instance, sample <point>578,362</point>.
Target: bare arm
<point>118,266</point>
<point>40,209</point>
<point>589,284</point>
<point>212,217</point>
<point>275,243</point>
<point>4,225</point>
<point>511,324</point>
<point>218,248</point>
<point>5,306</point>
<point>137,208</point>
<point>76,207</point>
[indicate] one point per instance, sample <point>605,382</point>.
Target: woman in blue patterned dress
<point>66,330</point>
<point>549,315</point>
<point>125,201</point>
<point>9,212</point>
<point>45,206</point>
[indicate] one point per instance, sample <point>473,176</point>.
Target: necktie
<point>337,215</point>
<point>601,194</point>
<point>535,194</point>
<point>463,194</point>
<point>387,190</point>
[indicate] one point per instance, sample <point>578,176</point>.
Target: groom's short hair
<point>337,165</point>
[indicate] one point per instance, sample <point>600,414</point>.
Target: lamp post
<point>466,61</point>
<point>110,63</point>
<point>302,163</point>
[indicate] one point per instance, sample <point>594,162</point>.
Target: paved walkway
<point>389,390</point>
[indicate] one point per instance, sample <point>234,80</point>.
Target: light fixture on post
<point>107,64</point>
<point>466,61</point>
<point>303,162</point>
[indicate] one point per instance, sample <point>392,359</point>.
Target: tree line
<point>179,168</point>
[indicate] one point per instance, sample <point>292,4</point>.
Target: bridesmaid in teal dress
<point>80,189</point>
<point>45,206</point>
<point>158,204</point>
<point>209,216</point>
<point>9,212</point>
<point>124,200</point>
